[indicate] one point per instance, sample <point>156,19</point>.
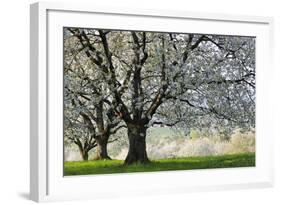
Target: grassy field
<point>116,166</point>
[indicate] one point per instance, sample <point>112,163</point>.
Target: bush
<point>168,145</point>
<point>202,146</point>
<point>241,142</point>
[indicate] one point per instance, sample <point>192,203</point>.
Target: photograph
<point>150,101</point>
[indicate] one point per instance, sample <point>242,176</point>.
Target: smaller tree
<point>85,96</point>
<point>76,132</point>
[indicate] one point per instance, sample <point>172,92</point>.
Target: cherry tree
<point>76,131</point>
<point>86,104</point>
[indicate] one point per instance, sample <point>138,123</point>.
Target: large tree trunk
<point>101,150</point>
<point>137,144</point>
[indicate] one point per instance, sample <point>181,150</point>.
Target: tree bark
<point>84,155</point>
<point>101,150</point>
<point>83,150</point>
<point>137,144</point>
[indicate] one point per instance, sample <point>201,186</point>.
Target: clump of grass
<point>185,163</point>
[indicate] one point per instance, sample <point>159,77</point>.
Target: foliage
<point>167,143</point>
<point>241,142</point>
<point>198,74</point>
<point>202,146</point>
<point>194,134</point>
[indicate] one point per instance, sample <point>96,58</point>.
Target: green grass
<point>116,166</point>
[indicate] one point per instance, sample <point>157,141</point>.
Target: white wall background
<point>14,102</point>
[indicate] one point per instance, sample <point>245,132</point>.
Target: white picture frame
<point>46,178</point>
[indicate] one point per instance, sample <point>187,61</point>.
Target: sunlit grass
<point>116,166</point>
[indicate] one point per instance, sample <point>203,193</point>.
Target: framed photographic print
<point>127,102</point>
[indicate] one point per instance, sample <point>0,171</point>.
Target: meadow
<point>183,163</point>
